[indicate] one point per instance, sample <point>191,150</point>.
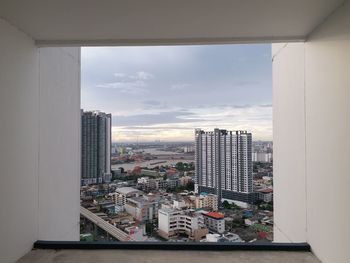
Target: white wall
<point>289,142</point>
<point>19,97</point>
<point>59,155</point>
<point>327,113</point>
<point>328,138</point>
<point>39,142</point>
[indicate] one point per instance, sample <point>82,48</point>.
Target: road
<point>110,229</point>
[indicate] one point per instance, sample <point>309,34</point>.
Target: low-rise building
<point>148,172</point>
<point>173,221</point>
<point>120,195</point>
<point>207,201</point>
<point>229,237</point>
<point>148,184</point>
<point>143,208</point>
<point>160,183</point>
<point>172,183</point>
<point>262,157</point>
<point>265,195</point>
<point>136,233</point>
<point>118,198</point>
<point>128,191</point>
<point>215,222</point>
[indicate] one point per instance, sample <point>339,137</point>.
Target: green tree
<point>226,205</point>
<point>149,228</point>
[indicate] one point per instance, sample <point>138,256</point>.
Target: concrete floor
<point>147,256</point>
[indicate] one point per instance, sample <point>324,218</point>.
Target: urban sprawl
<point>217,188</point>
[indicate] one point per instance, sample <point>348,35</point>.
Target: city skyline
<point>164,93</point>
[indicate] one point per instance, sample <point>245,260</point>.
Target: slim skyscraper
<point>95,147</point>
<point>223,162</point>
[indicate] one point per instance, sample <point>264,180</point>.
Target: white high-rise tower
<point>223,161</point>
<point>95,147</point>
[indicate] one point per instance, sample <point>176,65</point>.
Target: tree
<point>190,186</point>
<point>149,228</point>
<point>180,166</point>
<point>226,205</point>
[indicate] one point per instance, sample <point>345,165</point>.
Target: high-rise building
<point>223,162</point>
<point>95,147</point>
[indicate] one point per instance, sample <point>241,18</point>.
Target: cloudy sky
<point>165,92</point>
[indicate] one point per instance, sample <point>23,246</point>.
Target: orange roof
<point>266,190</point>
<point>215,215</point>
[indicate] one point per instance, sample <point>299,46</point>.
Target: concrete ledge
<point>173,246</point>
<point>147,256</point>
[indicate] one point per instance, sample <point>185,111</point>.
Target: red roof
<point>262,235</point>
<point>267,190</point>
<point>215,215</point>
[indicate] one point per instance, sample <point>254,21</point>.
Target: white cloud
<point>130,84</point>
<point>180,86</point>
<point>129,87</point>
<point>119,75</point>
<point>180,125</point>
<point>142,75</point>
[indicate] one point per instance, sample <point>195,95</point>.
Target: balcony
<point>104,256</point>
<point>40,111</point>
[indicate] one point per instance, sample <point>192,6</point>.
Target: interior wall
<point>322,140</point>
<point>59,159</point>
<point>19,100</point>
<point>327,131</point>
<point>39,142</point>
<point>289,142</point>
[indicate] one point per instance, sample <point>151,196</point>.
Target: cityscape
<point>216,188</point>
<point>174,131</point>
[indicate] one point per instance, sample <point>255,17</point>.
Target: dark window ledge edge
<point>41,244</point>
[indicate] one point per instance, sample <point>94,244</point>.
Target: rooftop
<point>266,191</point>
<point>127,190</point>
<point>215,215</point>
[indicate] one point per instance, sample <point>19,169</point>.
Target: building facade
<point>206,201</point>
<point>148,184</point>
<point>95,147</point>
<point>262,157</point>
<point>143,208</point>
<point>215,222</point>
<point>223,164</point>
<point>173,222</point>
<point>266,195</point>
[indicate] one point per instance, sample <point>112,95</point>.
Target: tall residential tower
<point>95,147</point>
<point>223,161</point>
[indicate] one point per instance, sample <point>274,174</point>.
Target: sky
<point>165,92</point>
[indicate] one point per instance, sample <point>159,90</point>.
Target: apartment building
<point>206,201</point>
<point>215,222</point>
<point>147,184</point>
<point>265,195</point>
<point>184,180</point>
<point>121,194</point>
<point>173,221</point>
<point>118,198</point>
<point>95,147</point>
<point>143,208</point>
<point>262,157</point>
<point>223,161</point>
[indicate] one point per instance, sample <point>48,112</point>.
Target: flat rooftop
<point>127,190</point>
<point>137,256</point>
